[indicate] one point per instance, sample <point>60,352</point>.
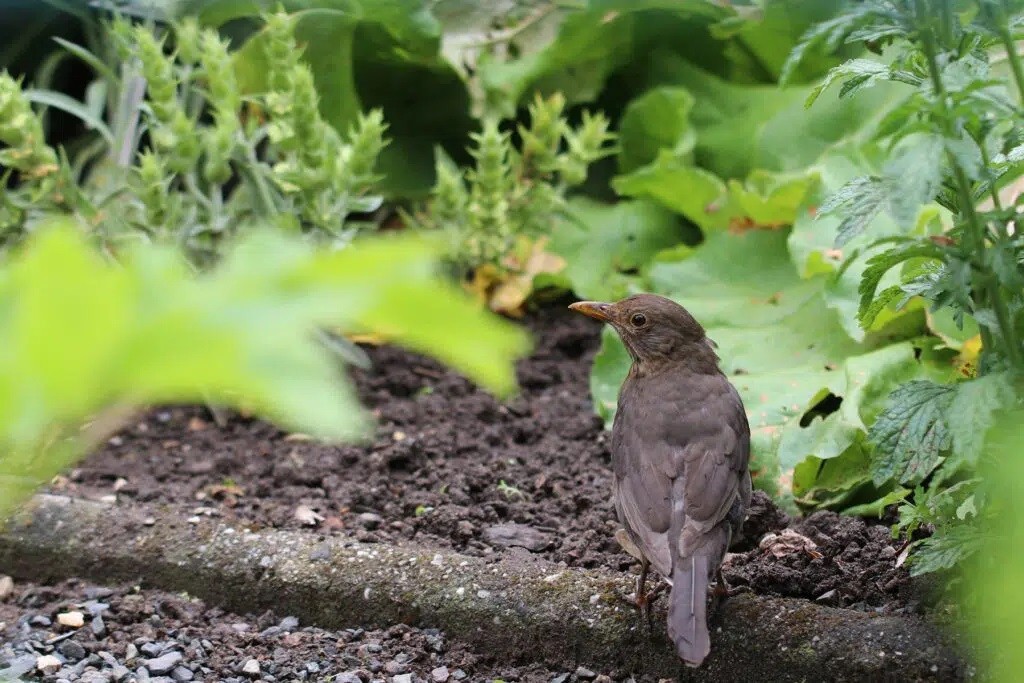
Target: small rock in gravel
<point>182,674</point>
<point>152,649</point>
<point>312,667</point>
<point>251,668</point>
<point>6,586</point>
<point>40,620</point>
<point>164,663</point>
<point>119,672</point>
<point>458,674</point>
<point>395,667</point>
<point>585,674</point>
<point>131,652</point>
<point>828,598</point>
<point>71,619</point>
<point>48,664</point>
<point>289,624</point>
<point>402,678</point>
<point>560,678</point>
<point>93,676</point>
<point>370,520</point>
<point>141,675</point>
<point>520,535</point>
<point>348,677</point>
<point>71,650</point>
<point>98,592</point>
<point>18,667</point>
<point>439,675</point>
<point>98,626</point>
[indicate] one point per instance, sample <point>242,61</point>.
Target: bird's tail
<point>687,610</point>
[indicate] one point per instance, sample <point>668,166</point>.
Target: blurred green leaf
<point>87,340</point>
<point>606,245</point>
<point>658,119</point>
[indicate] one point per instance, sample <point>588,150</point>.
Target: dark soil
<point>175,638</point>
<point>452,466</point>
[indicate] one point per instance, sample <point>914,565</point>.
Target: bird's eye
<point>638,320</point>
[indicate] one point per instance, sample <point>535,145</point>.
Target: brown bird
<point>680,449</point>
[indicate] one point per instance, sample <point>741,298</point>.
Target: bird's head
<point>654,329</point>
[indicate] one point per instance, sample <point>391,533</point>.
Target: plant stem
<point>1010,46</point>
<point>975,230</point>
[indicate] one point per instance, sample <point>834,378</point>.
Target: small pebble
<point>48,664</point>
<point>163,664</point>
<point>6,586</point>
<point>439,675</point>
<point>71,619</point>
<point>71,651</point>
<point>402,678</point>
<point>251,668</point>
<point>182,674</point>
<point>585,674</point>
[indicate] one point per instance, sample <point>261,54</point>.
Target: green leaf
<point>658,119</point>
<point>861,72</point>
<point>948,547</point>
<point>910,435</point>
<point>697,194</point>
<point>72,106</point>
<point>605,245</point>
<point>972,412</point>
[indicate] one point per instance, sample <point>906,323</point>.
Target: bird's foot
<point>641,601</point>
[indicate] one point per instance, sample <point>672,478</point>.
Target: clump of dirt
<point>129,634</point>
<point>450,465</point>
<point>833,559</point>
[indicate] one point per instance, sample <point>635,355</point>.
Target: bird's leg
<point>642,598</point>
<point>722,589</point>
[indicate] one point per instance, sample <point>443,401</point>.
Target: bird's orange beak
<point>594,309</point>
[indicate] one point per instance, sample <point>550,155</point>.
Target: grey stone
<point>585,674</point>
<point>152,649</point>
<point>98,626</point>
<point>18,667</point>
<point>402,678</point>
<point>521,535</point>
<point>348,677</point>
<point>164,664</point>
<point>439,675</point>
<point>370,520</point>
<point>71,650</point>
<point>93,676</point>
<point>182,674</point>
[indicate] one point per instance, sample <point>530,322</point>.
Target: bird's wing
<point>713,453</point>
<point>642,499</point>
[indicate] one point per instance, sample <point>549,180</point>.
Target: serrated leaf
<point>947,548</point>
<point>860,201</point>
<point>880,264</point>
<point>882,300</point>
<point>862,72</point>
<point>910,435</point>
<point>972,413</point>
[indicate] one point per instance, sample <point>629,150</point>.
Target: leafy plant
<point>194,161</point>
<point>956,139</point>
<point>87,342</point>
<point>495,213</point>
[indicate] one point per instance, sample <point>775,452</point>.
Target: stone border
<point>518,609</point>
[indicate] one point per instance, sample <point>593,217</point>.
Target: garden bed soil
<point>451,466</point>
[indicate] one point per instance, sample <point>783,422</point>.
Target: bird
<point>680,451</point>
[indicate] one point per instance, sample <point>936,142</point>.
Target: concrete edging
<point>518,609</point>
